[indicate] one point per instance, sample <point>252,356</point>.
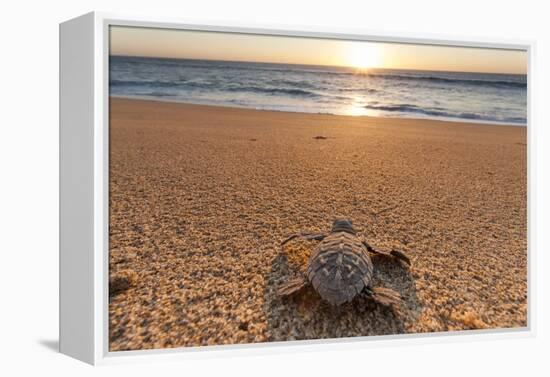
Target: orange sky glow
<point>170,43</point>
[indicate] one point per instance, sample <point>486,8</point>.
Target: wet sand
<point>201,196</point>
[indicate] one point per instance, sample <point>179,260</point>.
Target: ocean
<point>459,96</point>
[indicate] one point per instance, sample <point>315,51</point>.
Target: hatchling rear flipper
<point>292,285</point>
<point>384,296</point>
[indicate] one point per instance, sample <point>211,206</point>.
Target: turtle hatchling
<point>340,267</point>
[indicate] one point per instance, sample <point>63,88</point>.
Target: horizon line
<point>312,65</point>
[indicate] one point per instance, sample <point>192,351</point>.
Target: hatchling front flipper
<point>305,235</point>
<point>292,285</point>
<point>399,255</point>
<point>384,296</point>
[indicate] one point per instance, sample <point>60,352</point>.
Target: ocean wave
<point>460,81</point>
<point>260,89</point>
<point>213,85</point>
<point>357,90</point>
<point>293,83</point>
<point>440,113</point>
<point>163,84</point>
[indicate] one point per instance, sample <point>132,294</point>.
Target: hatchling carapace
<point>340,267</point>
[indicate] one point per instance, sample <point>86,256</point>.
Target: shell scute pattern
<point>340,267</point>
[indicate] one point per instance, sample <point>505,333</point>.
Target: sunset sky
<point>136,41</point>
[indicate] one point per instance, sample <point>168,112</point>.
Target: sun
<point>364,56</point>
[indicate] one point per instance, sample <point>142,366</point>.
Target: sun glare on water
<point>364,57</point>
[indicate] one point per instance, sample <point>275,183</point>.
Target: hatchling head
<point>343,225</point>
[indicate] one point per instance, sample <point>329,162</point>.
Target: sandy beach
<point>201,196</point>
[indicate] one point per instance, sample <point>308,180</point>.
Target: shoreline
<point>437,119</point>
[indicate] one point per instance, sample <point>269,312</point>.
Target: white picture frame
<point>84,143</point>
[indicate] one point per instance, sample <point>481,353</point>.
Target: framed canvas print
<point>226,188</point>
